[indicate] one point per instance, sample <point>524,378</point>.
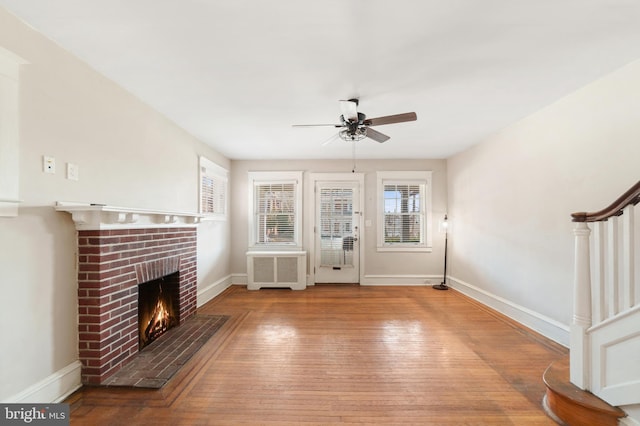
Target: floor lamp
<point>443,285</point>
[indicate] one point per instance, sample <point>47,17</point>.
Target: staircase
<point>573,406</point>
<point>603,371</point>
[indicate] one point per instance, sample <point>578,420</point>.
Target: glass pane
<point>391,199</point>
<point>336,226</point>
<point>402,214</point>
<point>213,195</point>
<point>402,228</point>
<point>275,215</point>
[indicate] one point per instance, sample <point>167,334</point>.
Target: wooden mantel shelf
<point>100,216</point>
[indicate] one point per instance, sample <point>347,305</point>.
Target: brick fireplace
<point>118,249</point>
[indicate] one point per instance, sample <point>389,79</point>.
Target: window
<point>213,189</point>
<point>275,209</point>
<point>404,211</point>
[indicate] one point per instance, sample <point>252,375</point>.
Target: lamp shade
<point>444,226</point>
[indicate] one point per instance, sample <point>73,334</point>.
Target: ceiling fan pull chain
<point>353,145</point>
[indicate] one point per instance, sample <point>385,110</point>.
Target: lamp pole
<point>443,285</point>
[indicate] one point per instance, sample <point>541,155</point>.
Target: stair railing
<point>606,288</point>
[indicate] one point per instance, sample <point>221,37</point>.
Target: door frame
<point>311,214</point>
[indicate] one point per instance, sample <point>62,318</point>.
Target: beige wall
<point>128,154</point>
<point>375,263</point>
<point>511,196</point>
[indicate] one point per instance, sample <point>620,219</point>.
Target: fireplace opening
<point>157,308</point>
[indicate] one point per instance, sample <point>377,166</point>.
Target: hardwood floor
<point>344,354</point>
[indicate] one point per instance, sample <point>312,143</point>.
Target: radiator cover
<point>276,269</point>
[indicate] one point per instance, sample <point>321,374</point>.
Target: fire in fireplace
<point>157,308</point>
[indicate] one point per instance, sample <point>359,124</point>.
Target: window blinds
<point>403,213</point>
<point>213,188</point>
<point>275,211</point>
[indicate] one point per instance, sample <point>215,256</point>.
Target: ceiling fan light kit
<point>356,126</point>
<point>356,135</point>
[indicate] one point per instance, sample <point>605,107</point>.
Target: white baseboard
<point>629,421</point>
<point>53,389</point>
<point>213,290</point>
<point>633,415</point>
<point>401,280</point>
<point>546,326</point>
<point>239,279</point>
<point>370,280</point>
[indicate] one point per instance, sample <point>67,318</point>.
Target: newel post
<point>580,362</point>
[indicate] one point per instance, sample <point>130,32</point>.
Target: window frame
<point>209,169</point>
<point>266,178</point>
<point>421,179</point>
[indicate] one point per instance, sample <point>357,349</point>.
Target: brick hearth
<point>111,264</point>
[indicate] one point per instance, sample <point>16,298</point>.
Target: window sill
<point>275,248</point>
<point>407,249</point>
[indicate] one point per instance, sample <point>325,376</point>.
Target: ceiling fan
<point>356,126</point>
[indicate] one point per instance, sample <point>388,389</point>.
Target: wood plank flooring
<point>344,354</point>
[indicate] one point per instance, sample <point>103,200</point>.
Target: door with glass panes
<point>337,231</point>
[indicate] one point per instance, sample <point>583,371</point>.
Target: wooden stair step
<point>572,405</point>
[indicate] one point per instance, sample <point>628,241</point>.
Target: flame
<point>160,321</point>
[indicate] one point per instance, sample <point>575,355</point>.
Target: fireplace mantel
<point>100,216</point>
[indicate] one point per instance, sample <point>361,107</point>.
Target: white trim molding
<point>311,212</point>
<point>399,280</point>
<point>52,389</point>
<point>421,179</point>
<point>539,323</point>
<point>261,178</point>
<point>100,216</point>
<point>631,419</point>
<point>213,290</point>
<point>239,279</point>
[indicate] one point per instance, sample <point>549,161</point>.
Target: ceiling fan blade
<point>317,125</point>
<point>377,136</point>
<point>349,109</point>
<point>390,119</point>
<point>331,139</point>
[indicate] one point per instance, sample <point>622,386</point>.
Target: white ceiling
<point>237,74</point>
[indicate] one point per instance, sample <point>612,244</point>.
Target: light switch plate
<point>73,171</point>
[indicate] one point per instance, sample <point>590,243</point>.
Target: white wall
<point>128,154</point>
<point>511,196</point>
<point>375,263</point>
